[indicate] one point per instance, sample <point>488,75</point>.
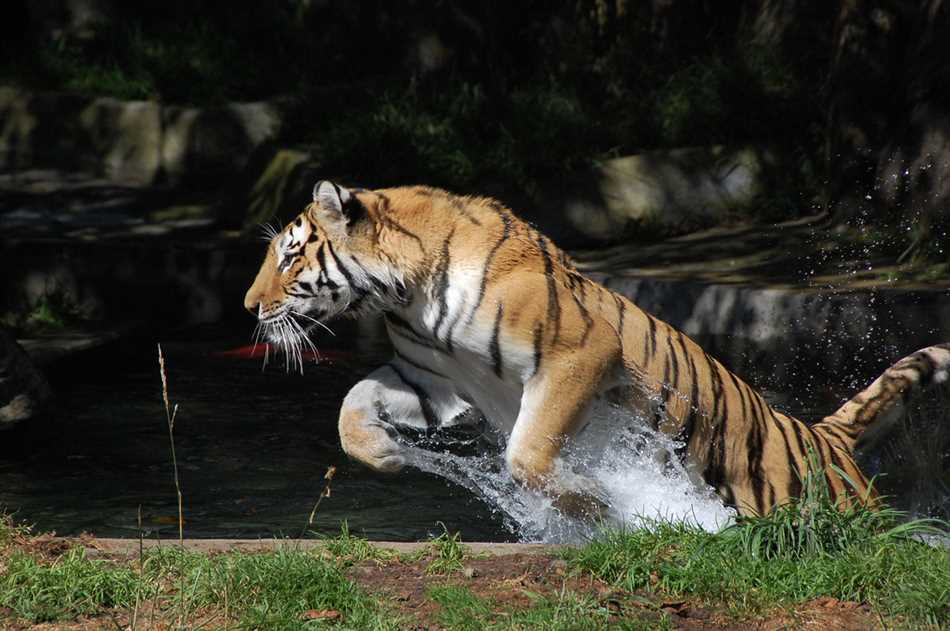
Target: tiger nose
<point>252,303</point>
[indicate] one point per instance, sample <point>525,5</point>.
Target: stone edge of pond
<point>777,329</point>
<point>114,546</point>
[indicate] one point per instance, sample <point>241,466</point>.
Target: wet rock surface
<point>24,392</point>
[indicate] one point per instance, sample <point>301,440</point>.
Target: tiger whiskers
<point>303,337</point>
<point>268,231</point>
<point>291,336</point>
<point>315,321</point>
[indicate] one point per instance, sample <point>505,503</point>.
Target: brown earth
<point>514,581</point>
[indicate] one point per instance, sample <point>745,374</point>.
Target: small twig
<point>328,476</point>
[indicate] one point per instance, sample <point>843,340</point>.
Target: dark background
<point>509,95</point>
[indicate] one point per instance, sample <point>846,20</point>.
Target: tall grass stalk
<point>170,414</point>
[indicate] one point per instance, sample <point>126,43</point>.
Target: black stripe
<point>652,336</point>
<point>392,224</point>
<point>554,306</point>
<point>350,280</point>
<point>754,451</point>
<point>432,421</point>
<point>449,339</point>
<point>621,315</point>
<point>794,485</point>
<point>483,285</point>
<point>458,205</point>
<point>584,313</point>
<point>442,281</point>
<point>538,339</point>
<point>689,425</point>
<point>495,344</point>
<point>673,363</point>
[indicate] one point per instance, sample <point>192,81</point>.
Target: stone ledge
<point>107,546</point>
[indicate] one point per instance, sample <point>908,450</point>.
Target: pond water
<point>253,444</point>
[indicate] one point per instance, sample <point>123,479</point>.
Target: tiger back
<point>490,320</point>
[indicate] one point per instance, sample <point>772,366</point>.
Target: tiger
<point>491,322</point>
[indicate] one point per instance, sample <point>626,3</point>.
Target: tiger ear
<point>334,206</point>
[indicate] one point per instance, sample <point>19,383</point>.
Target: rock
<point>24,391</point>
<point>137,143</point>
<point>123,138</point>
<point>280,183</point>
<point>215,143</point>
<point>662,192</point>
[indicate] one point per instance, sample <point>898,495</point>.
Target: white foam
<point>639,487</point>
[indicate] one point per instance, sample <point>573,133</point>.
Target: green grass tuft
<point>449,553</point>
<point>348,548</point>
<point>69,586</point>
<point>266,591</point>
<point>802,550</point>
<point>460,608</point>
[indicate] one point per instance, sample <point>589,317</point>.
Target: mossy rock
<point>276,185</point>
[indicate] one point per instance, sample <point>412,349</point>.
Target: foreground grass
<point>275,590</point>
<point>804,550</point>
<point>748,571</point>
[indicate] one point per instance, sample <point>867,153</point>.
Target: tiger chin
<point>490,320</point>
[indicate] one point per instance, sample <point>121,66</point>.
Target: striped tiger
<point>490,320</point>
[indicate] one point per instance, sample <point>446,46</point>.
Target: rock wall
<point>133,142</point>
<point>780,336</point>
<point>655,192</point>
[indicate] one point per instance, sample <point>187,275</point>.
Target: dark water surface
<point>253,445</point>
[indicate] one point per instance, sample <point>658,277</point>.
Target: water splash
<point>637,475</point>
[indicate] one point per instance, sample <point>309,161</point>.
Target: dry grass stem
<point>170,413</point>
<point>328,476</point>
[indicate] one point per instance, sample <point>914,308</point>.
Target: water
<point>253,445</point>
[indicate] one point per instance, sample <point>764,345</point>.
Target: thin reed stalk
<point>170,413</point>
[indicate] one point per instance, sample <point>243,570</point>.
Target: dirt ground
<point>512,581</point>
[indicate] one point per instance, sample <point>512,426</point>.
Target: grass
<point>803,550</point>
<point>355,549</point>
<point>461,609</point>
<point>72,585</point>
<point>449,553</point>
<point>736,572</point>
<point>260,591</point>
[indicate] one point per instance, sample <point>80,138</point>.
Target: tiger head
<point>324,264</point>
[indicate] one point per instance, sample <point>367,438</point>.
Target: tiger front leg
<point>398,396</point>
<point>369,417</point>
<point>554,408</point>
